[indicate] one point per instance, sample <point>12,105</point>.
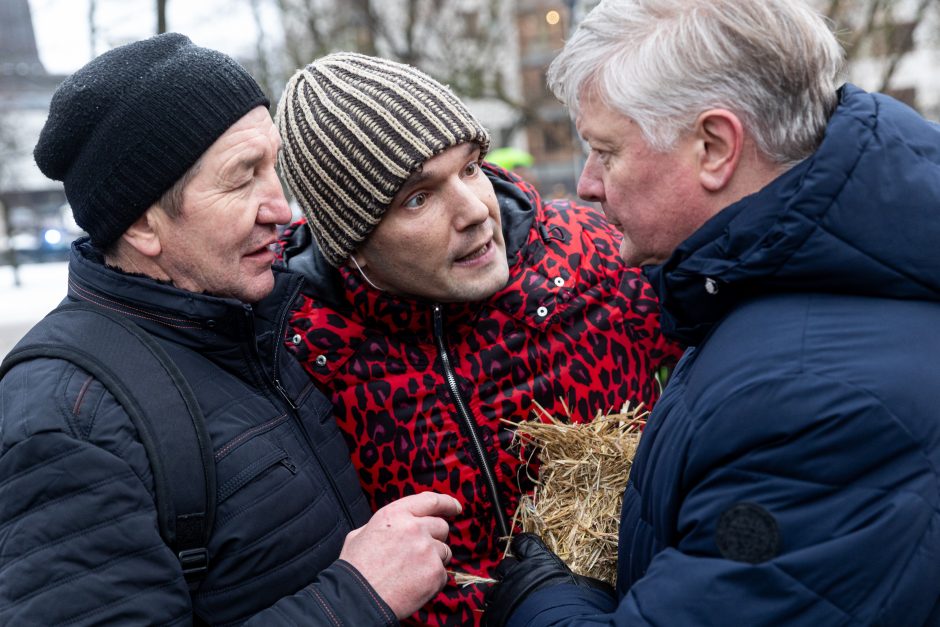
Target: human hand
<point>402,551</point>
<point>531,566</point>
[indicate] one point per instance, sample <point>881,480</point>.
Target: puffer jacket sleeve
<point>79,541</point>
<point>825,515</point>
<point>339,596</point>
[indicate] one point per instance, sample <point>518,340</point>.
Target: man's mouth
<point>616,225</point>
<point>476,254</point>
<point>261,250</point>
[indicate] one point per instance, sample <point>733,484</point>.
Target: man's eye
<point>416,201</point>
<point>472,168</point>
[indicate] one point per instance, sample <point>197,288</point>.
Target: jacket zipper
<point>275,388</point>
<point>279,333</point>
<point>468,420</point>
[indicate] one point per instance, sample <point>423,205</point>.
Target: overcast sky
<point>62,33</point>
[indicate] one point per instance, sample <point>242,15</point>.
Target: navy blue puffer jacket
<point>790,474</point>
<point>79,541</point>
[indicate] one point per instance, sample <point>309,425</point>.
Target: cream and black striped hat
<point>353,129</point>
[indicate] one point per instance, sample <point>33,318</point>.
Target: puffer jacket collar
<point>222,327</point>
<point>857,217</point>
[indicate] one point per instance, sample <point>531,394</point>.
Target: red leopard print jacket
<point>420,389</point>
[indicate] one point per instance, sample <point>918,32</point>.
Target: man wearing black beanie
<point>167,154</point>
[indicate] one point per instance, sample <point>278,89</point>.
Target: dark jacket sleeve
<point>844,533</point>
<point>79,541</point>
<point>339,586</point>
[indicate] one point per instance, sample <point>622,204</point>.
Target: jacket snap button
<point>711,286</point>
<point>541,312</point>
<point>296,339</point>
<point>559,282</point>
<point>321,360</point>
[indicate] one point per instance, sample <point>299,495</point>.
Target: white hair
<point>774,63</point>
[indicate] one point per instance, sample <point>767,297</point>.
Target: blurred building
<point>33,219</point>
<point>550,135</point>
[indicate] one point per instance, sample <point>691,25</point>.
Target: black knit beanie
<point>124,128</point>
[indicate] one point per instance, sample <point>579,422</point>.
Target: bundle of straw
<point>583,470</point>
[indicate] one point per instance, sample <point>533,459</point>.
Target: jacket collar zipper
<point>472,427</point>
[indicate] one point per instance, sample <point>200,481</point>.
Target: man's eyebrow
<point>419,175</point>
<point>242,164</point>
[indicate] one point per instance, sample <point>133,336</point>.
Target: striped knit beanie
<point>124,128</point>
<point>354,128</point>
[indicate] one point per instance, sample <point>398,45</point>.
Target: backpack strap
<point>137,371</point>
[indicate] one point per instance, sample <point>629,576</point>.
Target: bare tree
<point>460,43</point>
<point>8,149</point>
<point>161,16</point>
<point>8,154</point>
<point>882,30</point>
<point>93,27</point>
<point>261,69</point>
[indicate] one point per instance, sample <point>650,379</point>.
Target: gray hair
<point>775,63</point>
<point>172,199</point>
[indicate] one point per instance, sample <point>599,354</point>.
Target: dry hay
<point>583,469</point>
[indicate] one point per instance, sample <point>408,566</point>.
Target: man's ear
<point>144,234</point>
<point>720,136</point>
<point>357,260</point>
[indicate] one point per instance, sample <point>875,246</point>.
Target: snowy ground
<point>42,286</point>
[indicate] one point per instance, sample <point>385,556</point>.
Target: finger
<point>446,553</point>
<point>429,504</point>
<point>436,527</point>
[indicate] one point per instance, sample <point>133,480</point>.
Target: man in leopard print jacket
<point>444,300</point>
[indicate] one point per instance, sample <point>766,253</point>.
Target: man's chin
<point>254,289</point>
<point>637,258</point>
<point>484,287</point>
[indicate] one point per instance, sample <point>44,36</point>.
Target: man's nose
<point>590,186</point>
<point>471,209</point>
<point>274,208</point>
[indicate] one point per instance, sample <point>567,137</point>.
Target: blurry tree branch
<point>93,27</point>
<point>161,16</point>
<point>262,70</point>
<point>461,45</point>
<point>878,29</point>
<point>8,149</point>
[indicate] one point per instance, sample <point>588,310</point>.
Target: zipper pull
<point>284,394</point>
<point>438,321</point>
<point>287,463</point>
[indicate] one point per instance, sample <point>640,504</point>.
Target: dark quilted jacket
<point>574,330</point>
<point>79,542</point>
<point>790,474</point>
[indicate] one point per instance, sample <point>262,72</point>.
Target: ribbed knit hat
<point>354,128</point>
<point>124,128</point>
